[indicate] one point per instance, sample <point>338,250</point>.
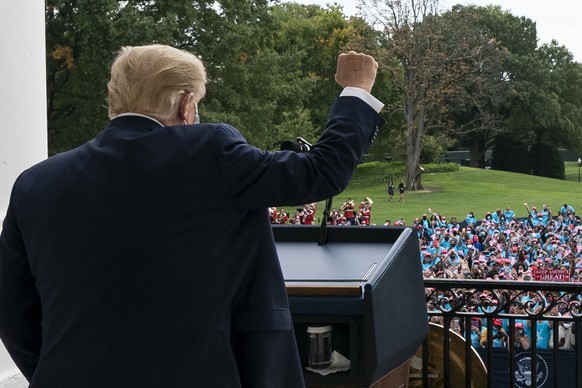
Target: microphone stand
<point>302,145</point>
<point>323,226</point>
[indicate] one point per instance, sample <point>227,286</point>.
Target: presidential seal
<point>523,372</point>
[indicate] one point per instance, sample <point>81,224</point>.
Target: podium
<point>367,283</point>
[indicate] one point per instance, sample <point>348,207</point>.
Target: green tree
<point>538,98</point>
<point>545,160</point>
<point>411,42</point>
<point>270,68</point>
<point>391,140</point>
<point>309,38</point>
<point>448,71</point>
<point>546,88</point>
<point>510,154</point>
<point>79,47</point>
<point>472,111</point>
<point>560,120</point>
<point>83,36</point>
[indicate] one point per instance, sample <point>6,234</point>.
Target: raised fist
<point>357,70</point>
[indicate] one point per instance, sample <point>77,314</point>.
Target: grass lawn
<point>456,193</point>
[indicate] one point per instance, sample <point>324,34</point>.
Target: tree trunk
<point>415,137</point>
<point>477,150</point>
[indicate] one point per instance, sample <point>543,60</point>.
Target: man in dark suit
<point>145,257</point>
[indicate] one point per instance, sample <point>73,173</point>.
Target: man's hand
<point>357,70</point>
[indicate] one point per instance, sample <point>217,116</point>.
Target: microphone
<point>289,145</point>
<point>302,145</point>
<point>299,145</point>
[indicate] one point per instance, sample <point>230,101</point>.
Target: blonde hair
<point>152,79</point>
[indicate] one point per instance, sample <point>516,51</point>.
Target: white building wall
<point>23,124</point>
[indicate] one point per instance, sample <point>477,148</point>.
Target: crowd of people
<point>497,245</point>
<point>522,334</point>
<point>542,246</point>
<point>501,246</point>
<point>521,325</point>
<point>347,215</point>
<point>304,215</point>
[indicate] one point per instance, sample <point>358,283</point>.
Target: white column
<point>23,127</point>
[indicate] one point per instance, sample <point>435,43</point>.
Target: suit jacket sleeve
<point>247,174</point>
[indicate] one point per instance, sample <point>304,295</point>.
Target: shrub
<point>434,168</point>
<point>545,160</point>
<point>510,155</point>
<point>434,149</point>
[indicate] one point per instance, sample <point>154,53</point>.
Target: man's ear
<point>184,106</point>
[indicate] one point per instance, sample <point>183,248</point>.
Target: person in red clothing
<point>282,217</point>
<point>348,209</point>
<point>365,210</point>
<point>366,213</point>
<point>309,213</point>
<point>367,201</point>
<point>273,214</point>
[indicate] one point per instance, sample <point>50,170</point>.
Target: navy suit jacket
<point>145,257</point>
